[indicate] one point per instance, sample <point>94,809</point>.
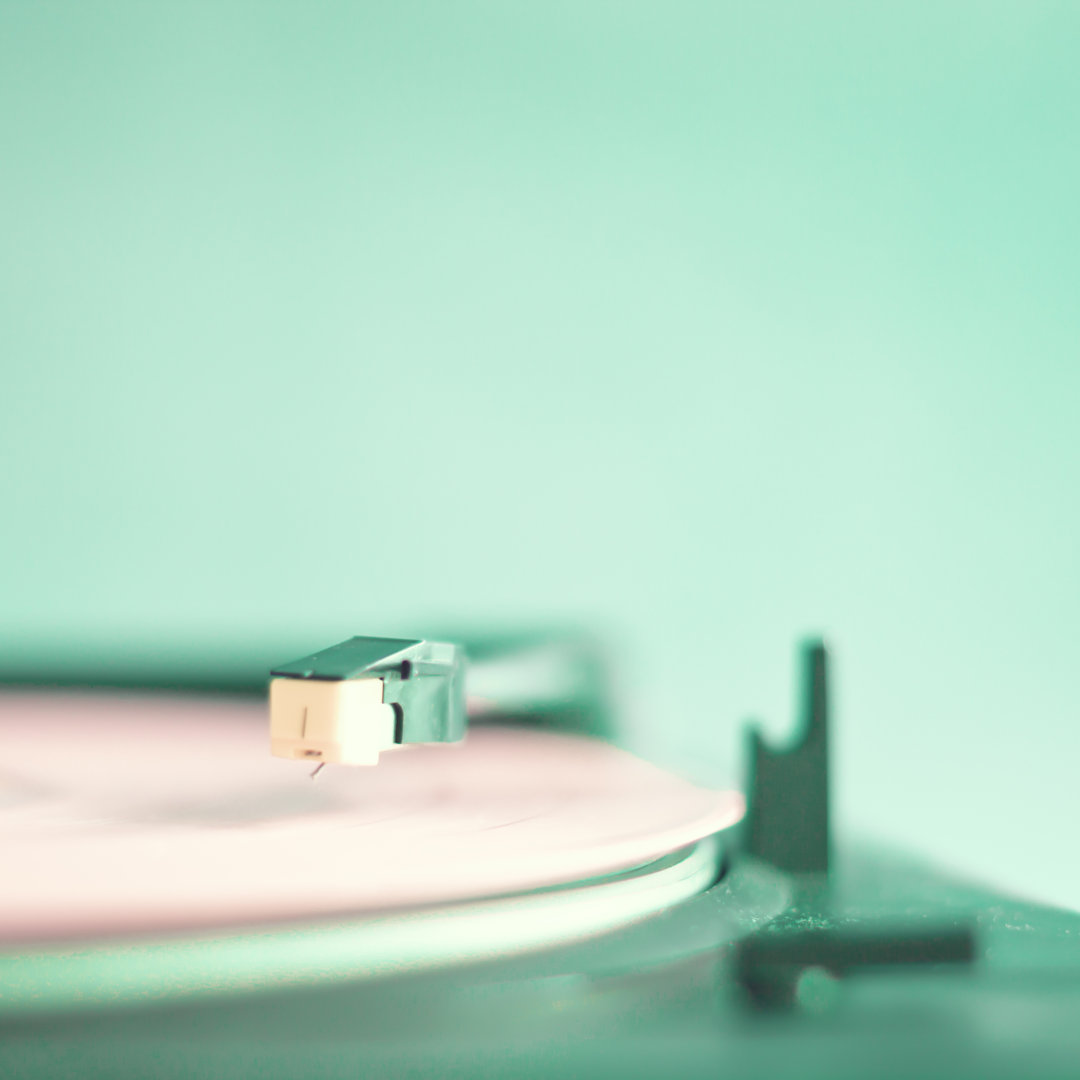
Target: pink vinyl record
<point>128,814</point>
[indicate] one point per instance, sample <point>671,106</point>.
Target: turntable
<point>436,861</point>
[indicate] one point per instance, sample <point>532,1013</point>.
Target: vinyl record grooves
<point>141,816</point>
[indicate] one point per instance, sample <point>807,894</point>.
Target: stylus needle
<point>315,771</point>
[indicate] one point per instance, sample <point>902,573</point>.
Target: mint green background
<point>704,324</point>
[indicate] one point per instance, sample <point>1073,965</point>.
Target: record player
<point>441,863</point>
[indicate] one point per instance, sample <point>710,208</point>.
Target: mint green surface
<point>708,325</point>
<point>654,999</point>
